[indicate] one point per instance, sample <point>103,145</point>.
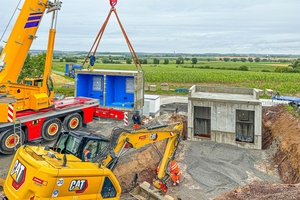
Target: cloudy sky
<point>167,26</point>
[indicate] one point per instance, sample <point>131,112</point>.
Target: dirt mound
<point>144,161</point>
<point>269,116</point>
<point>287,128</point>
<point>177,117</point>
<point>259,190</point>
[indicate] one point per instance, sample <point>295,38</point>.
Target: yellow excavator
<point>33,93</point>
<point>61,172</point>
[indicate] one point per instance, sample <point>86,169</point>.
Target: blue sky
<point>181,26</point>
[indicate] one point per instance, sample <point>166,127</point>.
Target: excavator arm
<point>122,140</point>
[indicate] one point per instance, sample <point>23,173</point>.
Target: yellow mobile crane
<point>59,172</point>
<point>33,93</point>
<point>28,110</point>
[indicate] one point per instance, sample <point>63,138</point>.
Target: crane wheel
<point>51,129</point>
<point>73,122</point>
<point>9,139</point>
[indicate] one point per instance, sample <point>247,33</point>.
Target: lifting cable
<point>101,31</point>
<point>10,21</point>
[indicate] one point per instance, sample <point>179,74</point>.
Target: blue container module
<point>90,86</point>
<point>70,69</point>
<point>117,94</point>
<point>114,88</point>
<point>67,69</point>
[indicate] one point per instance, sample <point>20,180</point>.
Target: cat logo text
<point>79,186</point>
<point>18,174</point>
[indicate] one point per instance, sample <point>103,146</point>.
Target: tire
<point>73,122</point>
<point>51,129</point>
<point>7,141</point>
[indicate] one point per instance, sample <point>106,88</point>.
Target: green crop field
<point>212,73</point>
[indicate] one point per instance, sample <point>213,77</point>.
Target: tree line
<point>179,60</point>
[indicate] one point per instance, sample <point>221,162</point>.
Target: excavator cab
<point>75,142</point>
<point>58,172</point>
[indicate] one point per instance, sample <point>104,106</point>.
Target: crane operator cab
<point>37,81</point>
<point>82,145</point>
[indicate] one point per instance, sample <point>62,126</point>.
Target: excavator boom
<point>122,140</point>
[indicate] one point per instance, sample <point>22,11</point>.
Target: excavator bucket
<point>144,192</point>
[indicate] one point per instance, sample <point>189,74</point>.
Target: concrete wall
<point>224,90</point>
<point>223,113</point>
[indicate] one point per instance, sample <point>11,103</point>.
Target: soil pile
<point>286,129</point>
<point>259,190</point>
<point>144,161</point>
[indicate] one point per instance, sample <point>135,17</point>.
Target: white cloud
<point>219,26</point>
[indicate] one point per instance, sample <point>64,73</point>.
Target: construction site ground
<point>212,170</point>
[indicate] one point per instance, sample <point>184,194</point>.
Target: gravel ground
<point>208,169</point>
<point>212,169</point>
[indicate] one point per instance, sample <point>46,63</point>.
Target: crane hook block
<point>113,2</point>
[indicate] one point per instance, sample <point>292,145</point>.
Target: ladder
<point>18,134</point>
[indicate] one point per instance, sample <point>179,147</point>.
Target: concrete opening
<point>202,122</point>
<point>245,126</point>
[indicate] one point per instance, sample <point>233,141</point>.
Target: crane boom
<point>32,93</point>
<point>20,39</point>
